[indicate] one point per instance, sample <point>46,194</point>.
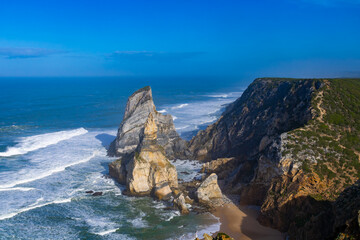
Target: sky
<point>234,39</point>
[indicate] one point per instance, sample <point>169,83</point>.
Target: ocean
<point>53,138</point>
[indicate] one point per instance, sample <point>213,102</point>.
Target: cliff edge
<point>292,147</point>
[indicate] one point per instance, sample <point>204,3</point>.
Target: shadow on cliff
<point>308,218</point>
<point>105,139</point>
<point>251,228</point>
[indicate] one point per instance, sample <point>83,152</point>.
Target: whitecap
<point>33,206</point>
<point>138,223</point>
<point>201,229</point>
<point>174,118</point>
<point>107,232</point>
<point>32,143</point>
<point>162,111</point>
<point>183,127</point>
<point>198,114</point>
<point>172,215</point>
<point>25,189</point>
<point>180,106</point>
<point>188,169</point>
<point>217,95</point>
<point>48,173</point>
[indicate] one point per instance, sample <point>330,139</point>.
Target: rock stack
<point>138,107</point>
<point>144,143</point>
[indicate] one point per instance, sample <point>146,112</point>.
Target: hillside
<point>295,144</point>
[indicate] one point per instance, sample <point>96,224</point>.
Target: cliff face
<point>249,130</point>
<point>265,110</point>
<point>145,141</point>
<point>325,153</point>
<point>147,171</point>
<point>295,147</point>
<point>140,104</point>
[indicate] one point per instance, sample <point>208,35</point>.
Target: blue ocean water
<point>53,138</point>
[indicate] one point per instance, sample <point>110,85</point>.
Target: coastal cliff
<point>291,146</point>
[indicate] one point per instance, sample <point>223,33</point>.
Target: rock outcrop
<point>307,218</point>
<point>221,166</point>
<point>145,141</point>
<point>138,107</point>
<point>219,236</point>
<point>247,126</point>
<point>180,202</point>
<point>249,129</point>
<point>209,191</point>
<point>147,170</point>
<point>296,147</point>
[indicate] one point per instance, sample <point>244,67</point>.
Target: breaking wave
<point>32,143</point>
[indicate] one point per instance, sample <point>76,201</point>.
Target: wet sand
<point>241,224</point>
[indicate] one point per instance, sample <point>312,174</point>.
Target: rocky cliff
<point>145,141</point>
<point>294,145</point>
<point>147,171</point>
<point>139,105</point>
<point>250,127</point>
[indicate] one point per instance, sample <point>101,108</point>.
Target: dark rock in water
<point>180,203</point>
<point>97,193</point>
<point>91,191</point>
<point>186,173</point>
<point>140,104</point>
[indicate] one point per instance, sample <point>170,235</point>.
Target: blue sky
<point>236,39</point>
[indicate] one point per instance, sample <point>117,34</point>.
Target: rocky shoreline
<point>145,142</point>
<point>249,155</point>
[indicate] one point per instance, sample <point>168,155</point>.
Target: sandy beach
<point>241,224</point>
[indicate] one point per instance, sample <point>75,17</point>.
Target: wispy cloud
<point>153,56</point>
<point>12,53</point>
<point>332,3</point>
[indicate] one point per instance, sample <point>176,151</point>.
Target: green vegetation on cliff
<point>329,144</point>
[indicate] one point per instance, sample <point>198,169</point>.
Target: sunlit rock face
<point>209,190</point>
<point>145,141</point>
<point>147,170</point>
<point>138,107</point>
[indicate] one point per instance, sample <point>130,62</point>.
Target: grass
<point>333,140</point>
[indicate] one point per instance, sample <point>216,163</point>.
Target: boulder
<point>180,203</point>
<point>209,190</point>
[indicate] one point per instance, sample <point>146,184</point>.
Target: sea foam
<point>32,143</point>
<point>46,174</point>
<point>33,206</point>
<point>180,106</point>
<point>198,114</point>
<point>25,189</point>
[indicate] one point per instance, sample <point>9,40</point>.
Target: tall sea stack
<point>139,105</point>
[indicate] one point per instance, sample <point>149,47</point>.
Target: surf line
<point>32,143</point>
<point>10,215</point>
<point>50,172</point>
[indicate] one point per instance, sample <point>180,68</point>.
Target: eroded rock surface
<point>147,170</point>
<point>209,190</point>
<point>296,145</point>
<point>138,107</point>
<point>145,141</point>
